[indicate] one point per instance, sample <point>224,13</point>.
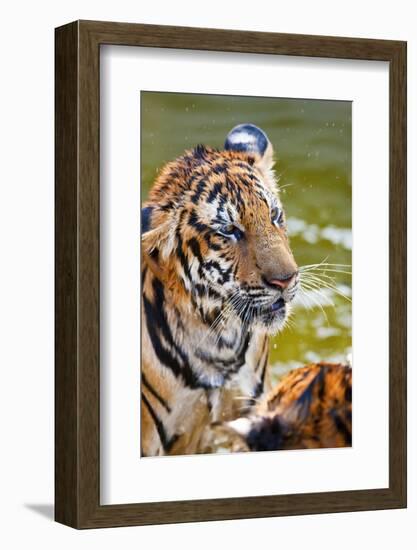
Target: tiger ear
<point>249,138</point>
<point>299,410</point>
<point>145,219</point>
<point>155,232</point>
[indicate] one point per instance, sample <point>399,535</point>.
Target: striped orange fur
<point>310,408</point>
<point>218,276</point>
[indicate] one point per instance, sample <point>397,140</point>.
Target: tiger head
<point>214,231</point>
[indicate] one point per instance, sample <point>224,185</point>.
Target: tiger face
<point>214,228</point>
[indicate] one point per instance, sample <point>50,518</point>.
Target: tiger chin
<point>218,277</point>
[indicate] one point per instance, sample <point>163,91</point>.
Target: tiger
<point>310,408</point>
<point>218,278</point>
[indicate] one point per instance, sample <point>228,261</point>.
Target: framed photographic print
<point>230,274</point>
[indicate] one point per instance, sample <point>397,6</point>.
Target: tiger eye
<point>228,229</point>
<point>275,214</point>
<point>231,230</point>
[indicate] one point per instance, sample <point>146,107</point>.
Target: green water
<point>312,141</point>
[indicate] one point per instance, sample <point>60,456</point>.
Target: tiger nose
<point>283,281</point>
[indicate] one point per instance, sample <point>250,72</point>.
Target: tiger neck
<point>185,339</point>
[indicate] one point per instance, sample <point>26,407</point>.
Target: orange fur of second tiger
<point>310,408</point>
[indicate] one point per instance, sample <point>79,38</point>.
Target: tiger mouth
<point>275,313</point>
<point>277,306</point>
<point>266,313</point>
<point>274,310</point>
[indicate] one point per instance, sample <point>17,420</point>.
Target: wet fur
<point>190,373</point>
<point>310,408</point>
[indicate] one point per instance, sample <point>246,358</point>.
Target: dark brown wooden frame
<point>77,274</point>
